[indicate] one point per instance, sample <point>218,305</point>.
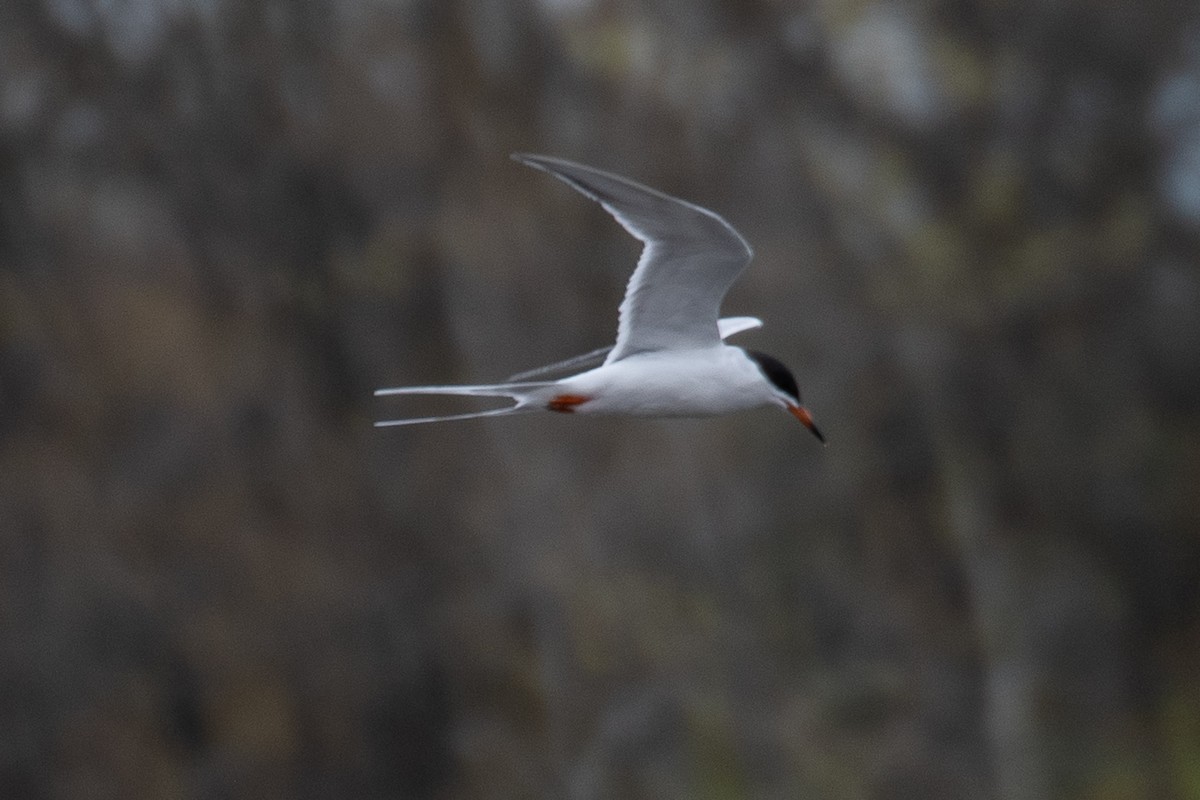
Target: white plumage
<point>670,358</point>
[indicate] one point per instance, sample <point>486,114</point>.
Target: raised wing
<point>727,326</point>
<point>690,260</point>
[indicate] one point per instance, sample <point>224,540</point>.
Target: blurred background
<point>223,224</point>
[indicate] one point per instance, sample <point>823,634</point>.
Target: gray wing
<point>569,366</point>
<point>690,259</point>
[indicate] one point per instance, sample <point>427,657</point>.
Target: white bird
<point>670,358</point>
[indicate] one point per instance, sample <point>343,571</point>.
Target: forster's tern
<point>670,358</point>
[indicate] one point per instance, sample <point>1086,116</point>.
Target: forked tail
<point>524,394</point>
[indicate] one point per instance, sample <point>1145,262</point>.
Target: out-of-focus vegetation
<point>222,224</point>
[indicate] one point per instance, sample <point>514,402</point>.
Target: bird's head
<point>784,389</point>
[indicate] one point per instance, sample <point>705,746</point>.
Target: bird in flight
<point>670,358</point>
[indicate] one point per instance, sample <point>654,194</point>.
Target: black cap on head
<point>782,379</point>
<point>780,376</point>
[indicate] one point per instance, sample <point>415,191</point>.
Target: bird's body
<point>678,383</point>
<point>670,358</point>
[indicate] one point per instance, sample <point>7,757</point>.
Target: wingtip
<point>543,163</point>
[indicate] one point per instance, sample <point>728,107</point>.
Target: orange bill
<point>801,413</point>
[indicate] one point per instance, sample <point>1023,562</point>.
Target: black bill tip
<point>801,413</point>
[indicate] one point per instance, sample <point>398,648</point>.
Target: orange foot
<point>565,403</point>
